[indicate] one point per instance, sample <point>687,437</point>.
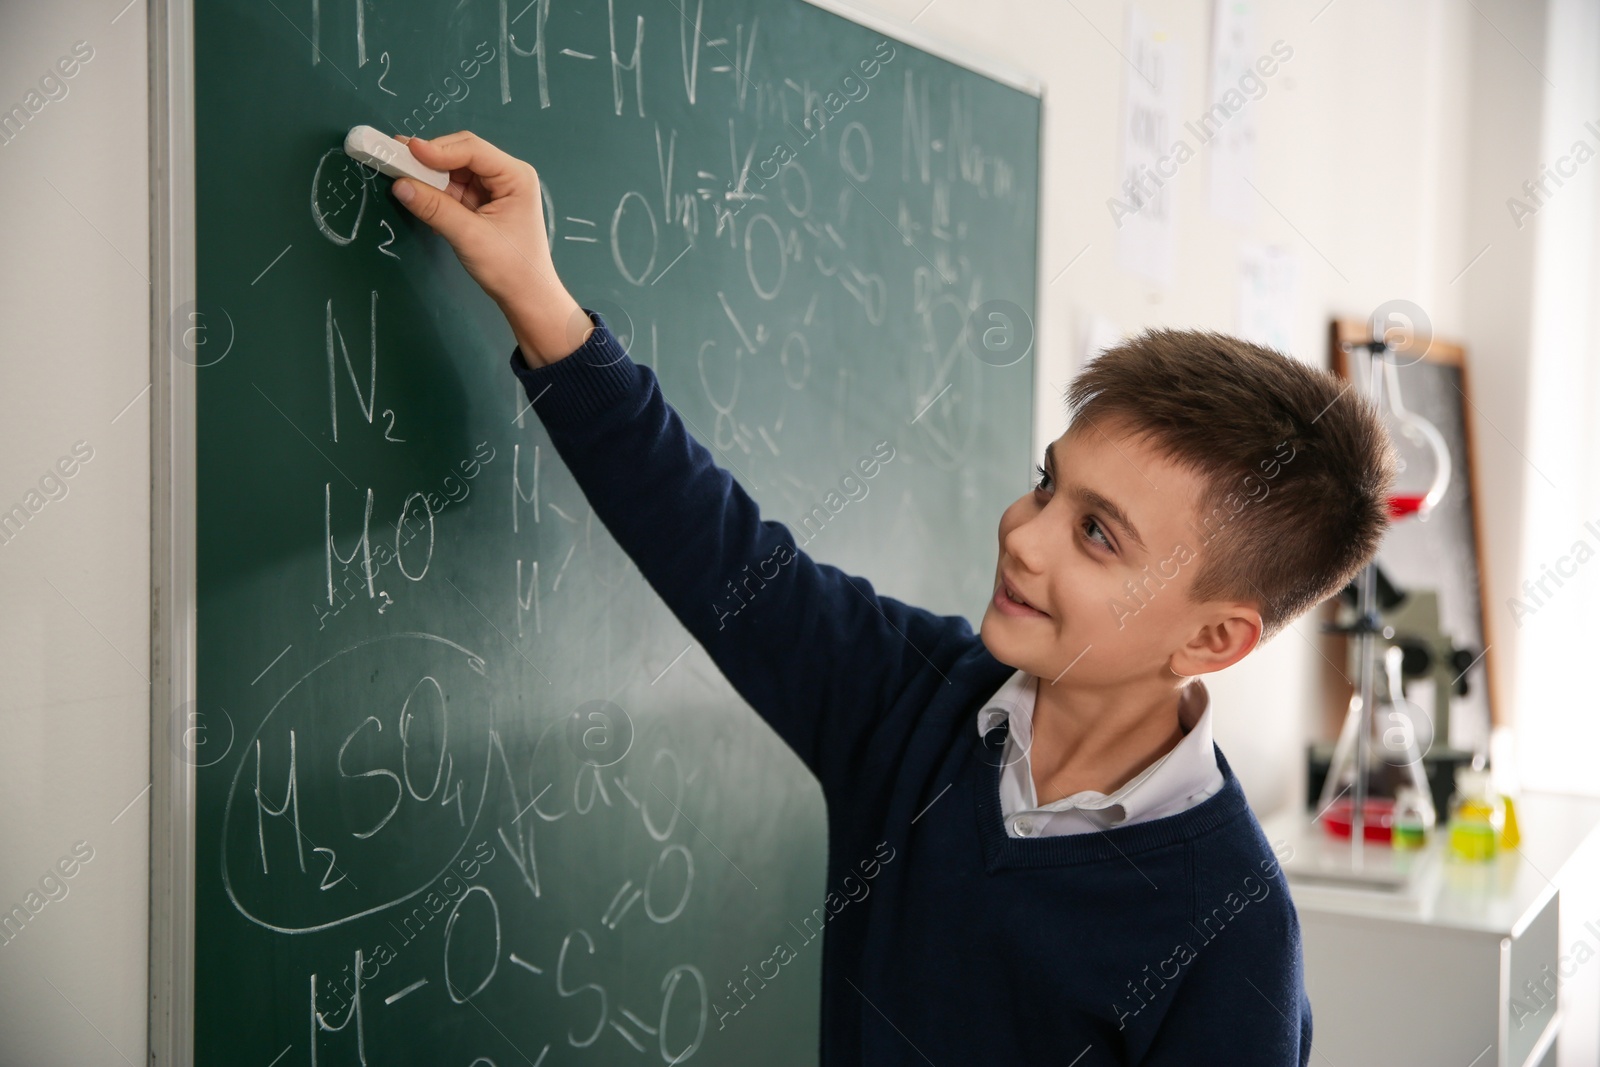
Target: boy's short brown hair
<point>1298,465</point>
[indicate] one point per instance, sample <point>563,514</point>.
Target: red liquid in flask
<point>1403,504</point>
<point>1377,823</point>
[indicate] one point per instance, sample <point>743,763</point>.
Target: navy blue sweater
<point>946,941</point>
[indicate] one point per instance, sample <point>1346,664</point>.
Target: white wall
<point>1386,148</point>
<point>74,635</point>
<point>1557,625</point>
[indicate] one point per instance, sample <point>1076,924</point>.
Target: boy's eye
<point>1092,523</point>
<point>1044,478</point>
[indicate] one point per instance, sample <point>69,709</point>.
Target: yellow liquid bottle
<point>1476,816</point>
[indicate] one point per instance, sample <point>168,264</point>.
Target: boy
<point>1065,869</point>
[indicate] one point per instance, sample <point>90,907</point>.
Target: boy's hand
<point>492,214</point>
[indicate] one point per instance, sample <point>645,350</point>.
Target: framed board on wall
<point>383,606</point>
<point>1440,558</point>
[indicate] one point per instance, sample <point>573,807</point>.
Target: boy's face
<point>1111,511</point>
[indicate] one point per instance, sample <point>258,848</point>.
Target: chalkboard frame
<point>174,484</point>
<point>907,33</point>
<point>170,33</point>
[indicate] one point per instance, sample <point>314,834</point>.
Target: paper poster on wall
<point>1266,295</point>
<point>1099,334</point>
<point>1230,122</point>
<point>1152,151</point>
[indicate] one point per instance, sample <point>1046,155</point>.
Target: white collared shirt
<point>1181,778</point>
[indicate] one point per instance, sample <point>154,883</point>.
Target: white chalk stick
<point>382,152</point>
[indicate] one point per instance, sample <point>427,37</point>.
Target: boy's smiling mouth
<point>1009,602</point>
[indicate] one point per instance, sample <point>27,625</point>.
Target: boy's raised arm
<point>815,651</point>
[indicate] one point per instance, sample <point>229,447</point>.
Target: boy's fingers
<point>465,150</point>
<point>443,214</point>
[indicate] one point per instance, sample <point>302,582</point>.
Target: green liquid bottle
<point>1410,827</point>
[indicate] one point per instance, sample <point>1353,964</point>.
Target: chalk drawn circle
<point>348,168</point>
<point>187,333</point>
<point>1406,328</point>
<point>858,170</point>
<point>599,733</point>
<point>797,341</point>
<point>798,210</point>
<point>1000,333</point>
<point>778,246</point>
<point>200,737</point>
<point>454,655</point>
<point>637,278</point>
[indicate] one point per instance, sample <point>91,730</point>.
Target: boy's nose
<point>1025,543</point>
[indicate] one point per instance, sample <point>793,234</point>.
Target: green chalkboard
<point>466,792</point>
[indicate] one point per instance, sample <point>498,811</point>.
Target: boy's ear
<point>1229,635</point>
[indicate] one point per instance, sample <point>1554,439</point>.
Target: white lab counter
<point>1460,963</point>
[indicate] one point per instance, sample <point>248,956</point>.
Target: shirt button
<point>1024,826</point>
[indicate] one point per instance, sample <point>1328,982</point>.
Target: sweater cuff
<point>573,390</point>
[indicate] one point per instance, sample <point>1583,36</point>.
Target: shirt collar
<point>1015,696</point>
<point>1187,768</point>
